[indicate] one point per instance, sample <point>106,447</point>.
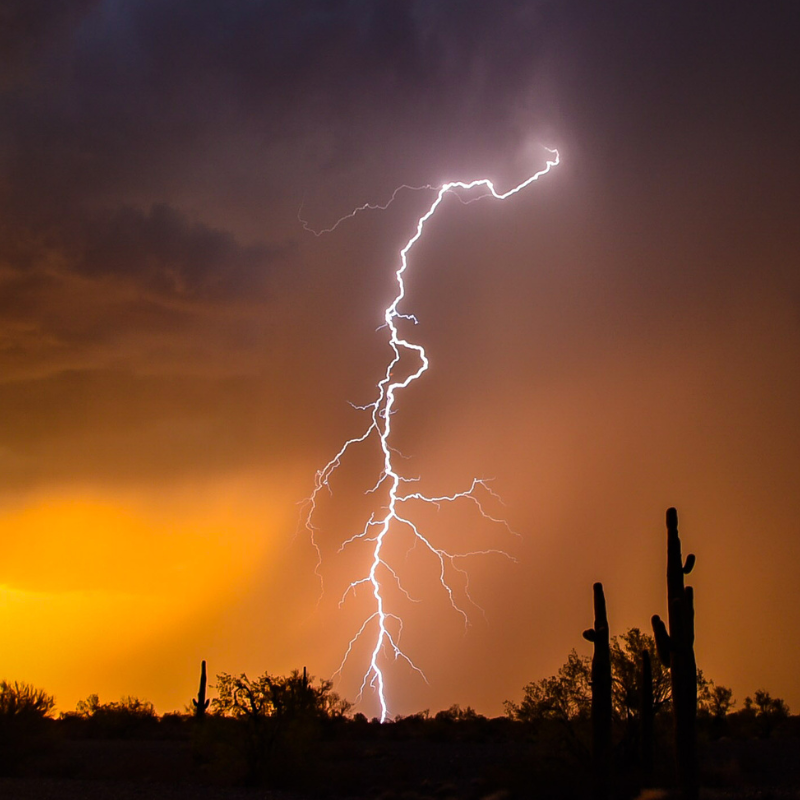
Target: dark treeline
<point>287,732</point>
<point>294,733</point>
<point>638,713</point>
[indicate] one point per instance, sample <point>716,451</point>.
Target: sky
<point>179,355</point>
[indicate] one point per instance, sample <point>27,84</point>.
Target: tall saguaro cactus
<point>601,695</point>
<point>676,651</point>
<point>201,704</point>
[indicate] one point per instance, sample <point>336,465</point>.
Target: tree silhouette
<point>717,701</point>
<point>566,696</point>
<point>764,704</point>
<point>277,714</point>
<point>626,672</point>
<point>766,711</point>
<point>563,697</point>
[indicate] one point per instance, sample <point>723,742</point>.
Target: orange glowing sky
<point>177,354</point>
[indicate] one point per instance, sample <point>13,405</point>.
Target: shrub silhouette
<point>20,700</point>
<point>764,712</point>
<point>129,717</point>
<point>24,731</point>
<point>765,705</point>
<point>457,714</point>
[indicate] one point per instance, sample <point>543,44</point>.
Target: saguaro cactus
<point>201,704</point>
<point>676,651</point>
<point>646,718</point>
<point>601,695</point>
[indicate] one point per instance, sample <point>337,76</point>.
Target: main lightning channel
<point>377,528</point>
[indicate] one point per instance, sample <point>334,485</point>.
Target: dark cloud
<point>163,252</point>
<point>174,141</point>
<point>138,82</point>
<point>138,85</point>
<point>28,26</point>
<point>160,250</point>
<point>128,285</point>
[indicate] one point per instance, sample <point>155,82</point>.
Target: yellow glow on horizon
<point>89,580</point>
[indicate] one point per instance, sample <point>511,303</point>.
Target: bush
<point>763,713</point>
<point>129,717</point>
<point>23,701</point>
<point>24,718</point>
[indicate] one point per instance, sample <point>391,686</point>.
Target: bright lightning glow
<point>388,626</point>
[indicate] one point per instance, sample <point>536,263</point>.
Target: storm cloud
<point>621,338</point>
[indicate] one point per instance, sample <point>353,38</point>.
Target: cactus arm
<point>688,616</point>
<point>201,703</point>
<point>663,641</point>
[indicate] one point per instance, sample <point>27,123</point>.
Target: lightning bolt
<point>393,517</point>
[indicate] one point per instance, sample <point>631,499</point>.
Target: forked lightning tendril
<point>390,518</point>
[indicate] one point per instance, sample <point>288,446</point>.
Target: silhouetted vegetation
<point>292,732</point>
<point>765,713</point>
<point>566,696</point>
<point>269,724</point>
<point>24,734</point>
<point>611,723</point>
<point>21,701</point>
<point>125,719</point>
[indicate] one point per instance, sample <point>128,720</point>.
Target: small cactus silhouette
<point>201,704</point>
<point>601,695</point>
